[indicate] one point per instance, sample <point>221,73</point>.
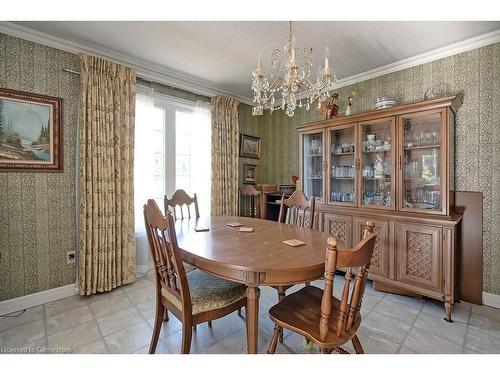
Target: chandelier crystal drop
<point>291,86</point>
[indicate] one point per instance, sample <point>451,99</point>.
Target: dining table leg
<point>252,294</point>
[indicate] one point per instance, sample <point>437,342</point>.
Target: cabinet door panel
<point>340,227</point>
<point>419,252</point>
<point>380,257</point>
<point>342,165</point>
<point>423,162</point>
<point>312,145</point>
<point>378,163</point>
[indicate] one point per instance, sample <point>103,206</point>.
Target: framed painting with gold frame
<point>30,132</point>
<point>249,146</point>
<point>249,174</point>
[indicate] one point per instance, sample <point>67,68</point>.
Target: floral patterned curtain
<point>107,111</point>
<point>225,139</point>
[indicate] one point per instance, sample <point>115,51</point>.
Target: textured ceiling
<point>225,53</point>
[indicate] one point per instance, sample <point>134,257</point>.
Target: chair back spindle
<point>250,202</point>
<point>357,262</point>
<point>300,211</point>
<point>181,202</point>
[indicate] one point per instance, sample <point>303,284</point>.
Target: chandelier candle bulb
<point>327,61</point>
<point>259,63</point>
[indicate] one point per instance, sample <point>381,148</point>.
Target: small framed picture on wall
<point>249,174</point>
<point>249,146</point>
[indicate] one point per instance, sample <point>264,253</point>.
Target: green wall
<point>476,73</point>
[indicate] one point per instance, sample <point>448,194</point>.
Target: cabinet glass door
<point>313,167</point>
<point>377,163</point>
<point>422,162</point>
<point>343,166</point>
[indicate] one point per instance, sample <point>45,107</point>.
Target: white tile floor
<point>121,322</point>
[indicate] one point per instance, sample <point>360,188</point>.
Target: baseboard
<point>35,299</point>
<point>491,299</point>
<point>143,268</point>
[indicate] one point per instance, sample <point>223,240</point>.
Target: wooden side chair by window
<point>251,202</point>
<point>193,297</point>
<point>299,211</point>
<point>316,314</point>
<point>181,202</point>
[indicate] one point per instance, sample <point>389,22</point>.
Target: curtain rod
<point>157,93</point>
<point>70,71</point>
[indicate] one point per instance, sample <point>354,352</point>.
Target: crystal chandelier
<point>291,81</point>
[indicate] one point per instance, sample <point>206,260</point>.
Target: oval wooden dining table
<point>254,259</point>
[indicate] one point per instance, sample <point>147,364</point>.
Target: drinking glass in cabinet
<point>313,164</point>
<point>342,162</point>
<point>422,164</point>
<point>376,163</point>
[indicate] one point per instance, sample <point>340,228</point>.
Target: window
<point>172,151</point>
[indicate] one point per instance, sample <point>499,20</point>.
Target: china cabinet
<point>395,167</point>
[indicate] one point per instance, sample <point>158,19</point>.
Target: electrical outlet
<point>70,257</point>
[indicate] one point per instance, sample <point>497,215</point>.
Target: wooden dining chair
<point>250,202</point>
<point>181,202</point>
<point>193,297</point>
<point>299,210</point>
<point>316,314</point>
<point>295,210</point>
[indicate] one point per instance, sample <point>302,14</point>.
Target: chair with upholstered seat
<point>316,314</point>
<point>193,297</point>
<point>181,202</point>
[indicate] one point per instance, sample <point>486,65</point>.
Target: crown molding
<point>423,58</point>
<point>170,77</point>
<point>144,69</point>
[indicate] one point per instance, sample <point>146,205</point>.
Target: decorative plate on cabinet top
<point>384,102</point>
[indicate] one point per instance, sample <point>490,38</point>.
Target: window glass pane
<point>183,182</point>
<point>193,165</point>
<point>157,118</point>
<point>183,165</point>
<point>182,144</point>
<point>149,168</point>
<point>172,151</point>
<point>157,142</point>
<point>183,122</point>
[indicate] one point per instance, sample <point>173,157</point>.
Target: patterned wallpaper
<point>476,73</point>
<point>38,210</point>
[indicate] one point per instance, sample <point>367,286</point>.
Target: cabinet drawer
<point>380,258</point>
<point>419,255</point>
<point>340,227</point>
